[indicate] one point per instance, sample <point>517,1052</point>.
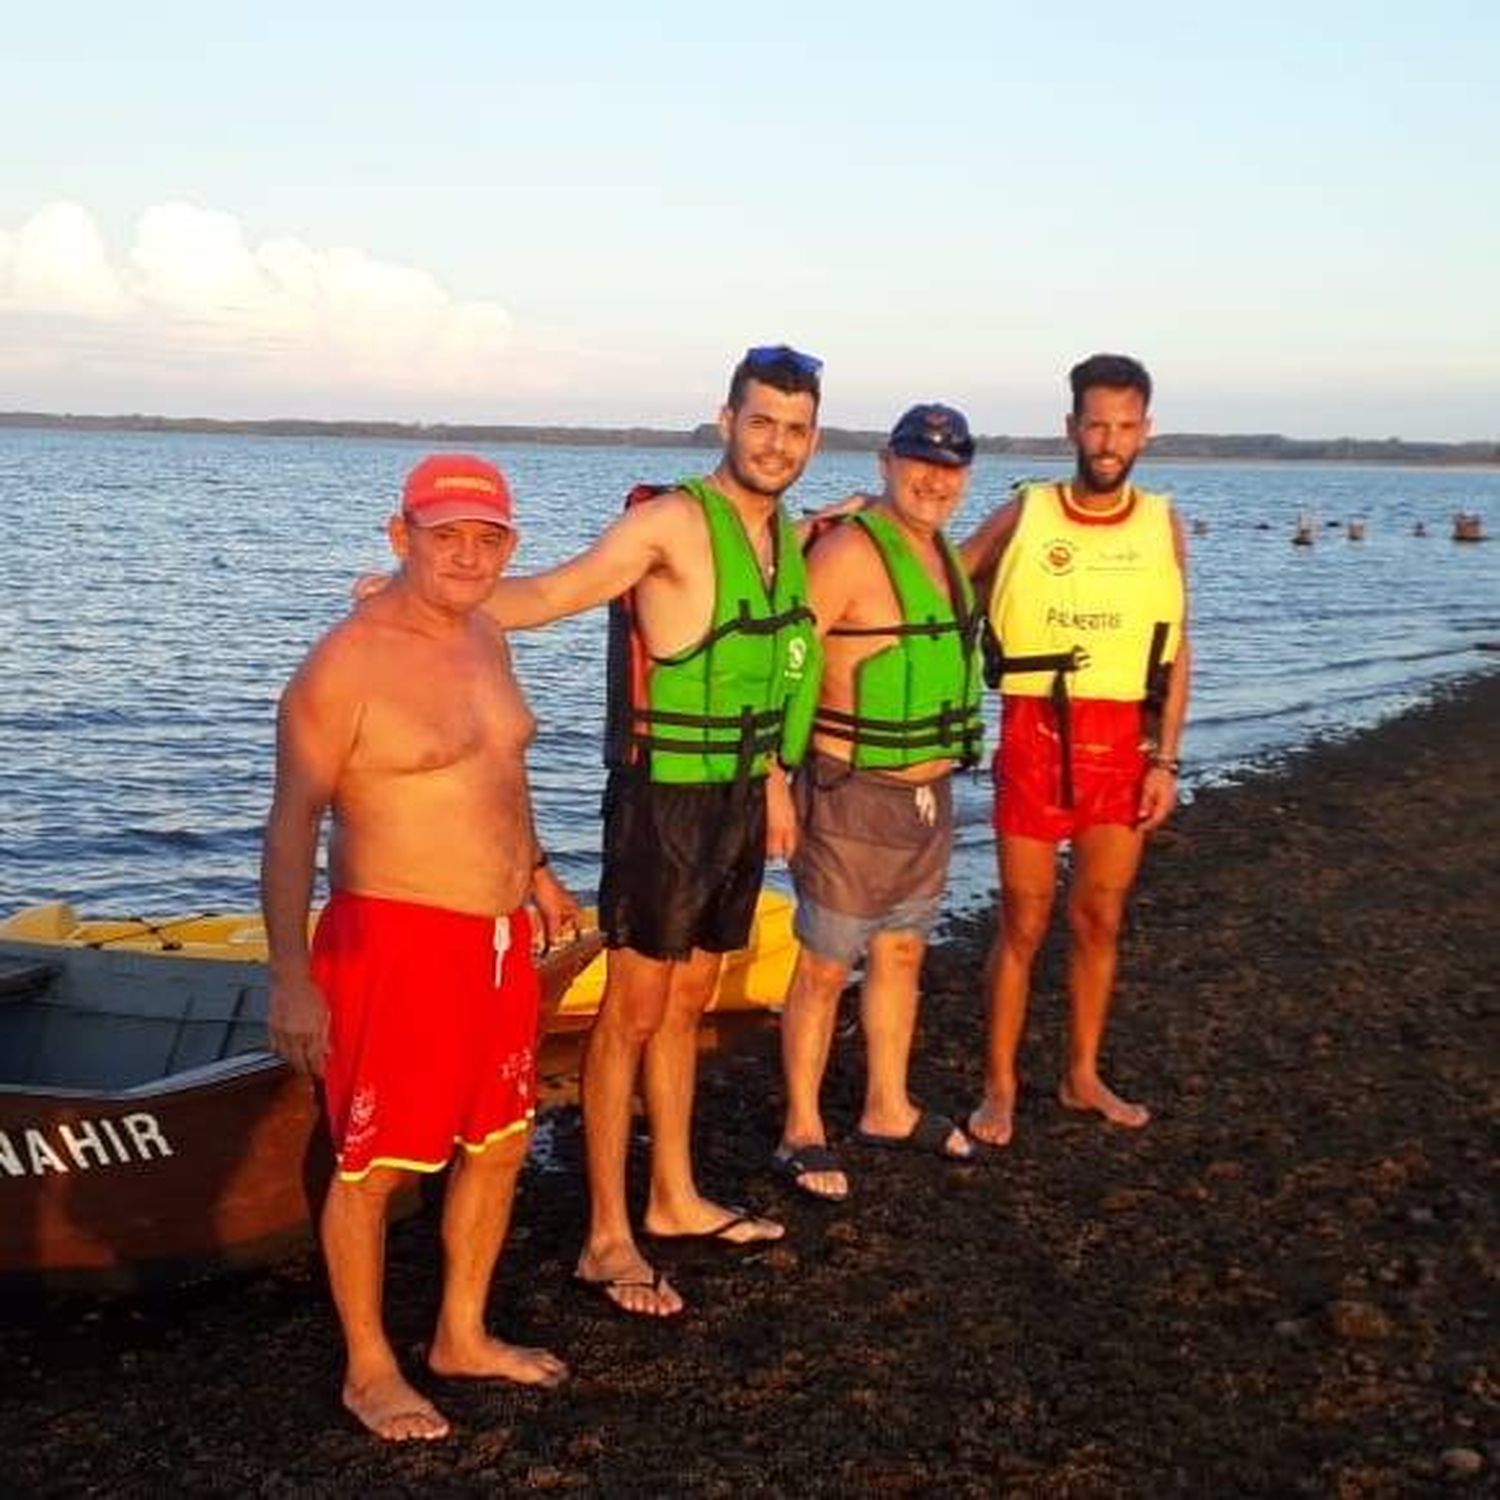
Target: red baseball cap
<point>456,487</point>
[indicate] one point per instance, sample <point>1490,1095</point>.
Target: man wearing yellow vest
<point>1088,609</point>
<point>713,675</point>
<point>898,709</point>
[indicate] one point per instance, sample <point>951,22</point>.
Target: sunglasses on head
<point>783,354</point>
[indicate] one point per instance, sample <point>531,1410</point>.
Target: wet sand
<point>1284,1285</point>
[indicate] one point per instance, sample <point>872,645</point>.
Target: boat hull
<point>155,1182</point>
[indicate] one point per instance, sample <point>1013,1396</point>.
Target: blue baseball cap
<point>934,434</point>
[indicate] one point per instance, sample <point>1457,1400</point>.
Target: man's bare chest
<point>432,711</point>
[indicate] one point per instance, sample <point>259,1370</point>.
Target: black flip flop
<point>792,1163</point>
<point>598,1288</point>
<point>928,1137</point>
<point>720,1237</point>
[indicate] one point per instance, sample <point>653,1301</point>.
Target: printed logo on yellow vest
<point>1058,556</point>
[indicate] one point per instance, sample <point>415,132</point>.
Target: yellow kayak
<point>755,978</point>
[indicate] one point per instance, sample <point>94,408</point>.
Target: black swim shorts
<point>682,864</point>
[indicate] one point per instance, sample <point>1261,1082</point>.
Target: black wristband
<point>1168,763</point>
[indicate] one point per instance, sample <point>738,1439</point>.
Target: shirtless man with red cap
<point>417,1004</point>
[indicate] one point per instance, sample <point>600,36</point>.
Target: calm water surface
<point>157,589</point>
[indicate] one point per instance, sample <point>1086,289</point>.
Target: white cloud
<point>57,263</point>
<point>196,317</point>
<point>195,261</point>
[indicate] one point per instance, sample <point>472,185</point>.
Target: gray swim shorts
<point>872,855</point>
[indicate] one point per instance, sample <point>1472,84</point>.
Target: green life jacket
<point>718,711</point>
<point>919,698</point>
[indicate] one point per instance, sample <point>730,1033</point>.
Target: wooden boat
<point>1468,526</point>
<point>146,1130</point>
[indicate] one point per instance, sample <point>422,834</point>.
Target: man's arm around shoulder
<point>982,550</point>
<point>640,541</point>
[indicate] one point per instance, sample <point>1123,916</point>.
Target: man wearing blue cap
<point>898,709</point>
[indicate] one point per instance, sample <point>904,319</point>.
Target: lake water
<point>157,589</point>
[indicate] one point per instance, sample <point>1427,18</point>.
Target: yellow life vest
<point>1097,598</point>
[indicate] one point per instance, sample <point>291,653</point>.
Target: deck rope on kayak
<point>145,927</point>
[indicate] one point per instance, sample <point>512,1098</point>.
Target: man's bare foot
<point>1097,1099</point>
<point>629,1282</point>
<point>489,1358</point>
<point>393,1410</point>
<point>993,1123</point>
<point>711,1221</point>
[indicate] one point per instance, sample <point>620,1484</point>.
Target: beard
<point>1090,479</point>
<point>755,486</point>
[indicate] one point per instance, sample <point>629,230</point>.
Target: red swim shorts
<point>432,1034</point>
<point>1109,764</point>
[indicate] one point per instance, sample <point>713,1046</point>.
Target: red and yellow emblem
<point>1058,556</point>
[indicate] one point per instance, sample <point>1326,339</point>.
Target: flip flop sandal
<point>721,1236</point>
<point>928,1137</point>
<point>792,1163</point>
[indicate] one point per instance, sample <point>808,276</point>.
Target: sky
<point>583,213</point>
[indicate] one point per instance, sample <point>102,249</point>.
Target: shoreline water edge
<point>1284,1284</point>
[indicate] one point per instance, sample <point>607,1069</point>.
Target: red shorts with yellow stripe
<point>1108,764</point>
<point>432,1030</point>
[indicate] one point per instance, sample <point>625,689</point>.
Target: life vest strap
<point>747,735</point>
<point>744,623</point>
<point>746,747</point>
<point>1158,679</point>
<point>1064,712</point>
<point>766,718</point>
<point>942,719</point>
<point>998,664</point>
<point>950,724</point>
<point>920,627</point>
<point>878,740</point>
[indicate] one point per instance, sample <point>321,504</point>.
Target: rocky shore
<point>1285,1285</point>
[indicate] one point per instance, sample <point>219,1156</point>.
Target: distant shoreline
<point>1201,447</point>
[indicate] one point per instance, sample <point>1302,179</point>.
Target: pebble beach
<point>1284,1285</point>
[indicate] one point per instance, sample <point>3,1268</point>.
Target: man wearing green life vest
<point>713,674</point>
<point>899,708</point>
<point>1088,607</point>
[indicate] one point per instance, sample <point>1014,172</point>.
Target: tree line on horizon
<point>1243,447</point>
